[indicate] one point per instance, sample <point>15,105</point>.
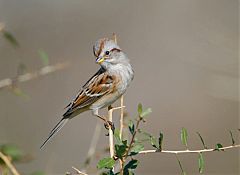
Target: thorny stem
<point>122,161</point>
<point>8,82</point>
<point>9,164</point>
<point>133,137</point>
<point>189,151</point>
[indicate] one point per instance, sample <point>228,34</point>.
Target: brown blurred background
<point>185,57</point>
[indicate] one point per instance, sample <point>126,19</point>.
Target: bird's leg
<point>107,124</point>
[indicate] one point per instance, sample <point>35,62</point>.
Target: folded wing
<point>98,85</point>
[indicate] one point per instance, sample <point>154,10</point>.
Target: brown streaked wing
<point>96,87</point>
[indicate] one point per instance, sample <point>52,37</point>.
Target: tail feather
<point>55,130</point>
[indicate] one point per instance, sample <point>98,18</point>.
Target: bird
<point>106,86</point>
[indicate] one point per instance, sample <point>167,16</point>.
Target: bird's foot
<point>109,125</point>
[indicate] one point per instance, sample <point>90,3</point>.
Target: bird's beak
<point>99,60</point>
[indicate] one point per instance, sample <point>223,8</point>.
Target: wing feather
<point>97,86</point>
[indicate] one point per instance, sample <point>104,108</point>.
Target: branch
<point>9,164</point>
<point>93,144</point>
<point>33,75</point>
<point>121,118</point>
<point>1,27</point>
<point>189,151</point>
<point>78,171</point>
<point>111,144</point>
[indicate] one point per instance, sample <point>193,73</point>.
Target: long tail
<point>55,130</point>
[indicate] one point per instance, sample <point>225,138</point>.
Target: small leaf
<point>200,163</point>
<point>120,150</point>
<point>118,140</point>
<point>137,147</point>
<point>44,57</point>
<point>110,172</point>
<point>153,142</point>
<point>140,109</point>
<point>19,92</point>
<point>8,36</point>
<point>160,141</point>
<point>21,69</point>
<point>131,127</point>
<point>180,165</point>
<point>145,134</point>
<point>205,147</point>
<point>132,164</point>
<point>218,147</point>
<point>107,162</point>
<point>145,112</point>
<point>233,141</point>
<point>184,136</point>
<point>12,151</point>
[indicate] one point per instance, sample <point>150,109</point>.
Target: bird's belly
<point>105,101</point>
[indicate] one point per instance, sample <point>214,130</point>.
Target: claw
<point>109,124</point>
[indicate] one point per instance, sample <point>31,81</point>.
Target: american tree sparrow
<point>104,87</point>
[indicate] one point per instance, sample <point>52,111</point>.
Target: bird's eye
<point>107,53</point>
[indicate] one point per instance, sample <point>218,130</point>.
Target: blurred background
<point>185,56</point>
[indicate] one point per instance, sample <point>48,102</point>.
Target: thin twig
<point>122,161</point>
<point>78,171</point>
<point>189,151</point>
<point>33,75</point>
<point>1,27</point>
<point>93,144</point>
<point>9,164</point>
<point>111,144</point>
<point>133,136</point>
<point>121,118</point>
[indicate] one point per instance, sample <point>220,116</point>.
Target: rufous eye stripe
<point>115,49</point>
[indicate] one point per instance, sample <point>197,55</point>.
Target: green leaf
<point>153,142</point>
<point>107,162</point>
<point>160,141</point>
<point>184,136</point>
<point>132,164</point>
<point>131,127</point>
<point>145,134</point>
<point>137,147</point>
<point>44,57</point>
<point>200,163</point>
<point>21,69</point>
<point>218,147</point>
<point>19,92</point>
<point>121,149</point>
<point>146,112</point>
<point>118,140</point>
<point>8,36</point>
<point>180,165</point>
<point>140,109</point>
<point>205,147</point>
<point>233,141</point>
<point>110,172</point>
<point>13,151</point>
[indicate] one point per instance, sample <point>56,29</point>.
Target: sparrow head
<point>108,53</point>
